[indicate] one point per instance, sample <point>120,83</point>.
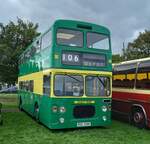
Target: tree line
<point>139,48</point>
<point>16,36</point>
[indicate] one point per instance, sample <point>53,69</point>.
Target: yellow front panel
<point>83,73</point>
<point>38,77</point>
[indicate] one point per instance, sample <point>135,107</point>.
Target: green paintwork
<point>51,119</point>
<point>35,64</point>
<point>46,59</point>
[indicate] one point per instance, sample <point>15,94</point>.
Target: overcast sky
<point>124,18</point>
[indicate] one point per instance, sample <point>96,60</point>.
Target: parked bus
<point>65,76</point>
<point>131,91</point>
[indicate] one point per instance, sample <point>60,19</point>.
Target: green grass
<point>19,128</point>
<point>9,100</point>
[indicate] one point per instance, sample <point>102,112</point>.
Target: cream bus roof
<point>132,61</point>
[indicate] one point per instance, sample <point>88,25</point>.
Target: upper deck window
<point>97,41</point>
<point>70,37</point>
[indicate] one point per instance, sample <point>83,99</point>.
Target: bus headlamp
<point>104,108</point>
<point>62,109</point>
<point>61,120</point>
<point>54,109</point>
<point>109,107</point>
<point>104,118</point>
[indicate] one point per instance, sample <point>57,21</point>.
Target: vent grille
<point>84,27</point>
<point>84,111</point>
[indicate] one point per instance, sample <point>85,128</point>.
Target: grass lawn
<point>9,100</point>
<point>19,128</point>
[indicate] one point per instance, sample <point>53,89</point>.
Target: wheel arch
<point>139,106</point>
<point>36,104</point>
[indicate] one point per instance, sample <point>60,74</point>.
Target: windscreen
<point>97,41</point>
<point>70,37</point>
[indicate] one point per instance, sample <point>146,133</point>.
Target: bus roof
<point>71,24</point>
<point>132,61</point>
<point>81,25</point>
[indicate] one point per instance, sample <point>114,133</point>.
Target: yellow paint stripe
<point>119,77</point>
<point>38,78</point>
<point>141,76</point>
<point>130,76</point>
<point>148,75</point>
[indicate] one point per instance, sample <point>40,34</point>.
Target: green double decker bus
<point>65,76</point>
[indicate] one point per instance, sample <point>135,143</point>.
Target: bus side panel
<point>28,101</point>
<point>123,102</point>
<point>45,110</point>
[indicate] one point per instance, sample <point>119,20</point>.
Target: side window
<point>20,85</point>
<point>31,85</point>
<point>143,75</point>
<point>27,54</point>
<point>27,86</point>
<point>46,85</point>
<point>22,59</point>
<point>124,75</point>
<point>38,45</point>
<point>33,50</point>
<point>46,40</point>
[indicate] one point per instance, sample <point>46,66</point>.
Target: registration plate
<point>82,124</point>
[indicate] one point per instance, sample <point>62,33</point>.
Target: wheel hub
<point>138,117</point>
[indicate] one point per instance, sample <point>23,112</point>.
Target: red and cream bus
<point>131,91</point>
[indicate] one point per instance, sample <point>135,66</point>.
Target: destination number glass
<point>83,59</point>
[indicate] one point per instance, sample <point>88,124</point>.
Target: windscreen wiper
<point>73,78</point>
<point>101,81</point>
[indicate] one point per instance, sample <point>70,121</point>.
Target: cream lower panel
<point>138,91</point>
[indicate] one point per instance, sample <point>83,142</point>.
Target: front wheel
<point>138,118</point>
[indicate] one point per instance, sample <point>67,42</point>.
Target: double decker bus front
<point>80,99</point>
<point>81,92</point>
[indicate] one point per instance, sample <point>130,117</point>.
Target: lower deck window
<point>68,85</point>
<point>97,86</point>
<point>46,85</point>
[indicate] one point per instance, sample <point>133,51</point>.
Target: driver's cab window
<point>46,85</point>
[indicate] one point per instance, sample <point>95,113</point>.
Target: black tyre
<point>138,118</point>
<point>36,112</point>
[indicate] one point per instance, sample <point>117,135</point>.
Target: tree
<point>14,38</point>
<point>116,58</point>
<point>139,48</point>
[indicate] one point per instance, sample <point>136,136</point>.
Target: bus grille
<point>84,111</point>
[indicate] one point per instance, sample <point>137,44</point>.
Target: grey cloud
<point>124,18</point>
